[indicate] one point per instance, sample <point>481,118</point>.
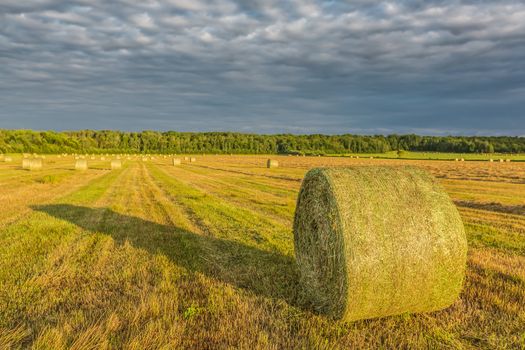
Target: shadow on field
<point>269,274</point>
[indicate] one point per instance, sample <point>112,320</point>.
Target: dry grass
<point>157,256</point>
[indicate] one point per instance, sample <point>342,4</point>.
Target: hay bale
<point>35,164</point>
<point>116,164</point>
<point>462,159</point>
<point>176,161</point>
<point>25,163</point>
<point>8,159</point>
<point>193,160</point>
<point>186,158</point>
<point>272,163</point>
<point>377,241</point>
<point>501,160</point>
<point>81,164</point>
<point>491,160</point>
<point>102,158</point>
<point>507,160</point>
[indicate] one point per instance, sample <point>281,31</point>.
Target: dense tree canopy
<point>90,141</point>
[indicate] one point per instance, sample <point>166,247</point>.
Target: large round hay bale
<point>176,161</point>
<point>35,164</point>
<point>116,164</point>
<point>81,164</point>
<point>272,163</point>
<point>377,241</point>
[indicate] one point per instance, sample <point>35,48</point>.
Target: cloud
<point>268,66</point>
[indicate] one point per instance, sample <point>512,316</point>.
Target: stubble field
<point>200,256</point>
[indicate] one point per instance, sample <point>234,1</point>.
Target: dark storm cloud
<point>265,66</point>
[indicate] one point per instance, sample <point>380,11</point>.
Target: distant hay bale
<point>35,164</point>
<point>462,160</point>
<point>116,164</point>
<point>8,159</point>
<point>491,160</point>
<point>377,241</point>
<point>144,159</point>
<point>186,158</point>
<point>25,163</point>
<point>81,164</point>
<point>193,160</point>
<point>176,161</point>
<point>371,157</point>
<point>272,163</point>
<point>507,160</point>
<point>102,158</point>
<point>457,159</point>
<point>501,160</point>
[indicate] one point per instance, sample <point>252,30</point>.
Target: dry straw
<point>377,241</point>
<point>81,164</point>
<point>272,163</point>
<point>116,164</point>
<point>176,161</point>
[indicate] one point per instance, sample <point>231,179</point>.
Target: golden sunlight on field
<point>200,255</point>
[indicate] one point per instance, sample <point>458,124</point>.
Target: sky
<point>265,66</point>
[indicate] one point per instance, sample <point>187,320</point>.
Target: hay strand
<point>377,241</point>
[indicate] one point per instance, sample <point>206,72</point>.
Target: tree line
<point>109,141</point>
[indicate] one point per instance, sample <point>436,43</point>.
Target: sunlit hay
<point>35,164</point>
<point>272,163</point>
<point>116,164</point>
<point>25,163</point>
<point>457,159</point>
<point>186,158</point>
<point>92,158</point>
<point>491,160</point>
<point>102,158</point>
<point>144,159</point>
<point>371,157</point>
<point>8,159</point>
<point>357,157</point>
<point>193,160</point>
<point>377,241</point>
<point>507,160</point>
<point>176,161</point>
<point>462,160</point>
<point>81,164</point>
<point>501,160</point>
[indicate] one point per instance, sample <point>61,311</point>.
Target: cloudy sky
<point>268,66</point>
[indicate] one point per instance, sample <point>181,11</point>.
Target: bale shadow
<point>269,274</point>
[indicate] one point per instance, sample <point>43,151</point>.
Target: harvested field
<point>201,255</point>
